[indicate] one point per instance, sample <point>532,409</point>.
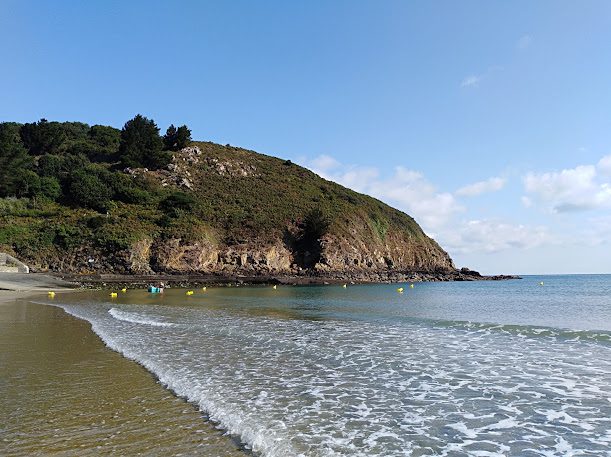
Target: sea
<point>486,368</point>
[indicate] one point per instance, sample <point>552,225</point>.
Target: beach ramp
<point>9,264</point>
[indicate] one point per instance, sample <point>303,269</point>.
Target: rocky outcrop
<point>206,257</point>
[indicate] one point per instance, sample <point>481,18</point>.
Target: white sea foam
<point>354,388</point>
<point>136,318</point>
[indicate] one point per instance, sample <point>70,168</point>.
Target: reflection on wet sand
<point>64,392</point>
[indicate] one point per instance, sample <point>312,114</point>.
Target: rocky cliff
<point>245,216</point>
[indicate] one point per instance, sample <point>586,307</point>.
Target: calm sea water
<point>481,368</point>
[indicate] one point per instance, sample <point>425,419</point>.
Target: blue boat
<point>155,290</point>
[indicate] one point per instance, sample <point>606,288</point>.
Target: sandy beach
<point>65,392</point>
<point>22,285</point>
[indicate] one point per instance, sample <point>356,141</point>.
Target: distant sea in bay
<point>487,368</point>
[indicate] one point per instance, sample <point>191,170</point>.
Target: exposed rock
<point>233,168</point>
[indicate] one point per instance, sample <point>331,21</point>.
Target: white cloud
<point>411,192</point>
<point>493,236</point>
<point>604,165</point>
<point>471,81</point>
<point>481,187</point>
<point>324,163</point>
<point>573,189</point>
<point>408,190</point>
<point>436,211</point>
<point>524,42</point>
<point>527,202</point>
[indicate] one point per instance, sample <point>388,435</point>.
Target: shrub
<point>50,188</point>
<point>86,189</point>
<point>50,165</point>
<point>177,203</point>
<point>27,183</point>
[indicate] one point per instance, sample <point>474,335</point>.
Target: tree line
<point>75,163</point>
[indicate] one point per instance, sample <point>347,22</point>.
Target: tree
<point>42,137</point>
<point>27,183</point>
<point>315,225</point>
<point>13,158</point>
<point>176,138</point>
<point>170,138</point>
<point>183,137</point>
<point>140,144</point>
<point>105,143</point>
<point>50,165</point>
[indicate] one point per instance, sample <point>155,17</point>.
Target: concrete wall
<point>8,263</point>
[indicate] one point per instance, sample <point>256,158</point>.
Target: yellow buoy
<point>189,292</point>
<point>113,295</point>
<point>344,285</point>
<point>400,290</point>
<point>275,286</point>
<point>411,286</point>
<point>204,289</point>
<point>124,290</point>
<point>51,294</point>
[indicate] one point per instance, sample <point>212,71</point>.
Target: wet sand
<point>65,393</point>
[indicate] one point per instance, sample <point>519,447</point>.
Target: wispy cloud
<point>494,236</point>
<point>524,42</point>
<point>489,185</point>
<point>471,81</point>
<point>436,211</point>
<point>604,165</point>
<point>406,189</point>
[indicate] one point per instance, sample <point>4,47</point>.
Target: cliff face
<point>358,253</point>
<point>245,217</point>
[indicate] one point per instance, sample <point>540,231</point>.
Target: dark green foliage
<point>73,131</point>
<point>176,139</point>
<point>51,165</point>
<point>170,138</point>
<point>183,137</point>
<point>176,204</point>
<point>50,188</point>
<point>27,183</point>
<point>43,137</point>
<point>13,158</point>
<point>104,143</point>
<point>125,188</point>
<point>105,137</point>
<point>67,236</point>
<point>237,196</point>
<point>315,225</point>
<point>88,190</point>
<point>140,144</point>
<point>73,162</point>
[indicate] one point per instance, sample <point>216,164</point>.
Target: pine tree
<point>140,144</point>
<point>170,138</point>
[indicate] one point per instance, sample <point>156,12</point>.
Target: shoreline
<point>16,286</point>
<point>124,411</point>
<point>89,281</point>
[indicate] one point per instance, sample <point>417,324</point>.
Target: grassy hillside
<point>75,206</point>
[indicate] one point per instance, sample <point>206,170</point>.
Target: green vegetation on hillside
<point>67,186</point>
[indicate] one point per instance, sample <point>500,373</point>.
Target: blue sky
<point>489,122</point>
